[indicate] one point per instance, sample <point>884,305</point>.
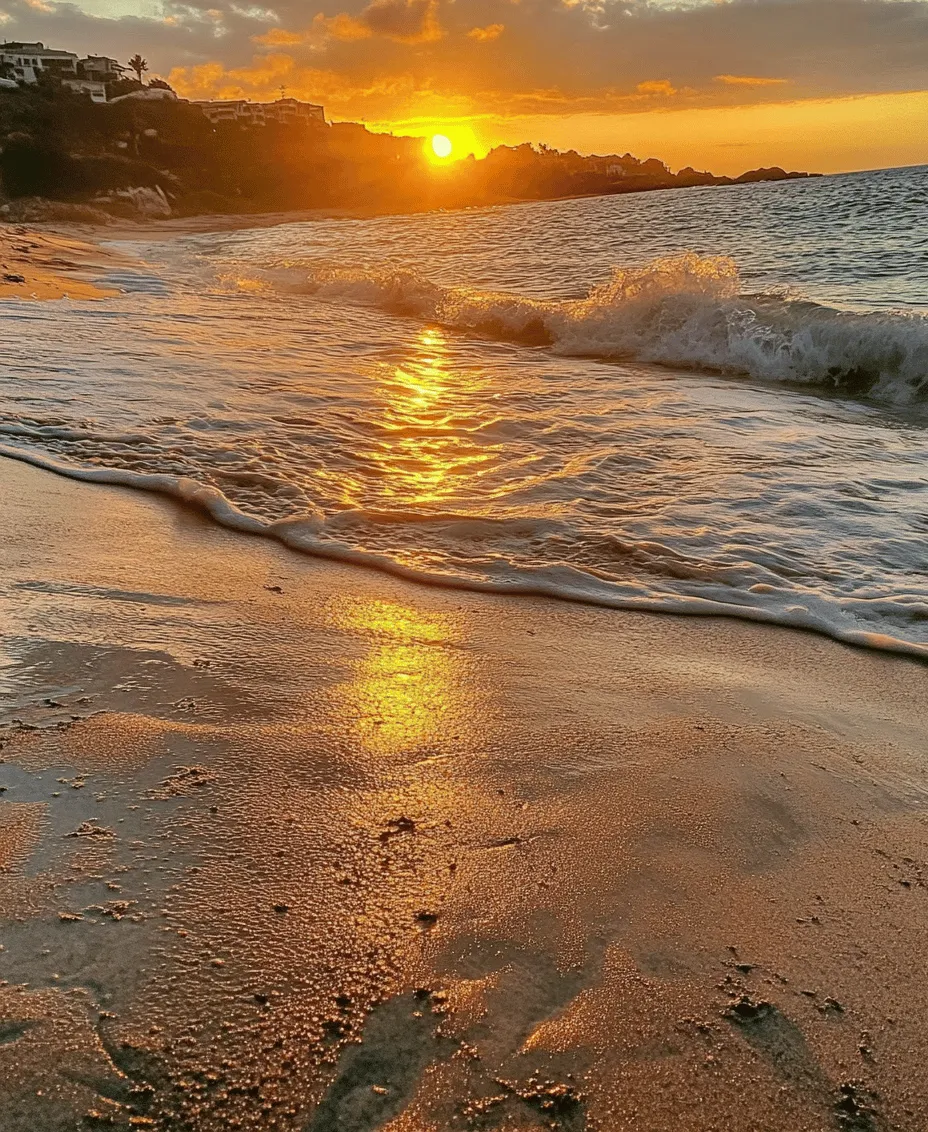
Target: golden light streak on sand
<point>670,874</point>
<point>407,685</point>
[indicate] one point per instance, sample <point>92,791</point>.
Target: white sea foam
<point>313,534</point>
<point>685,310</point>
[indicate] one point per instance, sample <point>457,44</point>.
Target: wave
<point>686,310</point>
<point>312,533</point>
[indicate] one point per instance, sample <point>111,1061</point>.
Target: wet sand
<point>50,264</point>
<point>290,845</point>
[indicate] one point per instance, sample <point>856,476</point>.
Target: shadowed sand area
<point>291,845</point>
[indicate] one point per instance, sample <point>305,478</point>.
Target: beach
<point>410,714</point>
<point>293,844</point>
<point>50,263</point>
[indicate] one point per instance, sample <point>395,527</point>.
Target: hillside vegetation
<point>59,145</point>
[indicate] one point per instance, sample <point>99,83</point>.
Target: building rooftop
<point>34,49</point>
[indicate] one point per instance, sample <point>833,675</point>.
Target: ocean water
<point>705,401</point>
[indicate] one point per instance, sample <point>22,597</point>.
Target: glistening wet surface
<point>699,401</point>
<point>323,850</point>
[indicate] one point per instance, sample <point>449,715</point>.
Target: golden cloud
<point>747,80</point>
<point>278,37</point>
<point>403,21</point>
<point>263,79</point>
<point>484,35</point>
<point>656,86</point>
<point>343,27</point>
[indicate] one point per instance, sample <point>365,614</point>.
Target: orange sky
<point>727,85</point>
<point>825,135</point>
<point>821,135</point>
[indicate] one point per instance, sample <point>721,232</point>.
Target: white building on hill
<point>97,91</point>
<point>26,62</point>
<point>260,113</point>
<point>101,68</point>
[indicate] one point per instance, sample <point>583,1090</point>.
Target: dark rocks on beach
<point>854,1109</point>
<point>745,1010</point>
<point>91,829</point>
<point>831,1006</point>
<point>559,1105</point>
<point>335,1027</point>
<point>11,277</point>
<point>396,826</point>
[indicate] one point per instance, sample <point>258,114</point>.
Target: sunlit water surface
<point>705,401</point>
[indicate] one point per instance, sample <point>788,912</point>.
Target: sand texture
<point>291,845</point>
<point>46,264</point>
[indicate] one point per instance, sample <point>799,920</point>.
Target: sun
<point>441,146</point>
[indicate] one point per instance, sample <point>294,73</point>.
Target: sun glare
<point>441,146</point>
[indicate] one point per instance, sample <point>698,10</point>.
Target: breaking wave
<point>686,310</point>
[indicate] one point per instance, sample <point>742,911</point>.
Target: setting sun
<point>441,146</point>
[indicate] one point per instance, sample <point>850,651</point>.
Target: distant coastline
<point>148,155</point>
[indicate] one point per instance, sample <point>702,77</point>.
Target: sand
<point>290,845</point>
<point>50,264</point>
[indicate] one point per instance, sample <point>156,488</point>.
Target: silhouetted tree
<point>139,65</point>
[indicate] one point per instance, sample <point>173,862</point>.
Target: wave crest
<point>685,310</point>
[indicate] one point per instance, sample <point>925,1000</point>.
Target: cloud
<point>403,21</point>
<point>343,27</point>
<point>406,21</point>
<point>484,35</point>
<point>656,86</point>
<point>748,80</point>
<point>278,37</point>
<point>400,59</point>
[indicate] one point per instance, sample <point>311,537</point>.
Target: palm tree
<point>139,65</point>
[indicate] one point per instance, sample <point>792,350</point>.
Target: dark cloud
<point>409,21</point>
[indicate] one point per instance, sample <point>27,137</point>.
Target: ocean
<point>703,401</point>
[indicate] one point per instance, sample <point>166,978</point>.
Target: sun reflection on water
<point>424,450</point>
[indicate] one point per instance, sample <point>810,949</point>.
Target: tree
<point>160,84</point>
<point>139,65</point>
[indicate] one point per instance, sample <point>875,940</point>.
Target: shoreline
<point>210,502</point>
<point>57,262</point>
<point>199,223</point>
<point>297,844</point>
